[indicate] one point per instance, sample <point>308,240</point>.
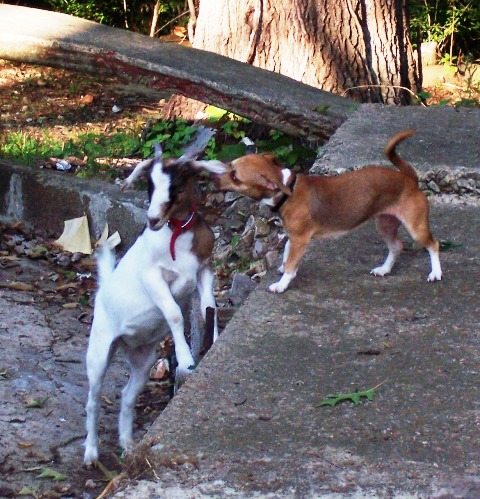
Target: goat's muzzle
<point>155,223</point>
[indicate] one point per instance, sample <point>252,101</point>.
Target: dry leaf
<point>17,286</point>
<point>25,445</point>
<point>103,238</point>
<point>159,370</point>
<point>112,241</point>
<point>76,236</point>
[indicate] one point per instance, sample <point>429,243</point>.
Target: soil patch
<point>45,316</point>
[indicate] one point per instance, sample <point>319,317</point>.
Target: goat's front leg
<point>162,297</point>
<point>207,299</point>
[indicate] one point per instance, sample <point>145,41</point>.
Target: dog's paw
<point>281,269</point>
<point>277,287</point>
<point>434,276</point>
<point>380,271</point>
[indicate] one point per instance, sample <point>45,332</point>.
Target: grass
<point>96,150</point>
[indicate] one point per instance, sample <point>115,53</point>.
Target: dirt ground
<point>45,317</point>
<point>34,98</point>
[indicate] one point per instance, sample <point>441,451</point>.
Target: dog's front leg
<point>281,269</point>
<point>294,251</point>
<point>162,297</point>
<point>205,291</point>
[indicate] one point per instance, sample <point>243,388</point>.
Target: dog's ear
<point>272,158</point>
<point>274,184</point>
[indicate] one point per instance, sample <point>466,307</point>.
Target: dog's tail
<point>392,155</point>
<point>105,262</point>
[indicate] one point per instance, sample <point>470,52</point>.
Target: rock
<point>248,237</point>
<point>262,229</point>
<point>433,187</point>
<point>259,248</point>
<point>231,196</point>
<point>272,258</point>
<point>468,184</point>
<point>242,286</point>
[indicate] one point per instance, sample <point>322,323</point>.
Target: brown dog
<point>323,206</point>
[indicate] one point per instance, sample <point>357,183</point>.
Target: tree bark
<point>357,48</point>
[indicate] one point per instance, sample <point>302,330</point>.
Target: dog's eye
<point>234,177</point>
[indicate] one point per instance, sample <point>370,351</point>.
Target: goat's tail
<point>392,155</point>
<point>105,263</point>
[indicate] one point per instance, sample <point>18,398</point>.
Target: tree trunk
<point>357,48</point>
<point>155,16</point>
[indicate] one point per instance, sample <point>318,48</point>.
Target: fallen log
<point>59,40</point>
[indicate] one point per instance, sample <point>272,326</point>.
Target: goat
<point>146,296</point>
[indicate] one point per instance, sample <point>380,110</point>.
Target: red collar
<point>179,227</point>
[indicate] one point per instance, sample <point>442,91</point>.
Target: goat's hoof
<point>90,458</point>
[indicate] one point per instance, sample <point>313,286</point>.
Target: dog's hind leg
<point>417,224</point>
<point>387,227</point>
<point>100,350</point>
<point>140,359</point>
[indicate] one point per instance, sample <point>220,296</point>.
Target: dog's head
<point>170,184</point>
<point>257,176</point>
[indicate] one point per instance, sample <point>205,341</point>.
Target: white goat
<point>146,296</point>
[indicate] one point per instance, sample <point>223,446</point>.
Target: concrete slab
<point>245,425</point>
<point>446,140</point>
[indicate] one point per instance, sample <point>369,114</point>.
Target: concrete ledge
<point>445,150</point>
<point>45,199</point>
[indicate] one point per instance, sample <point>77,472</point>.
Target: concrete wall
<point>44,199</point>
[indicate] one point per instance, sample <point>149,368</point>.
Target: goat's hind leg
<point>140,359</point>
<point>99,353</point>
<point>207,298</point>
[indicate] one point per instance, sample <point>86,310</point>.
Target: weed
<point>98,149</point>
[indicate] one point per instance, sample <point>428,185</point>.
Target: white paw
<point>277,287</point>
<point>186,365</point>
<point>91,455</point>
<point>434,276</point>
<point>126,443</point>
<point>380,271</point>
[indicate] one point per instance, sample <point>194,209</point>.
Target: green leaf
<point>28,491</point>
<point>54,475</point>
<point>36,403</point>
<point>449,245</point>
<point>321,109</point>
<point>355,397</point>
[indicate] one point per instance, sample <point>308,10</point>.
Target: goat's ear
<point>143,167</point>
<point>139,170</point>
<point>158,152</point>
<point>212,166</point>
